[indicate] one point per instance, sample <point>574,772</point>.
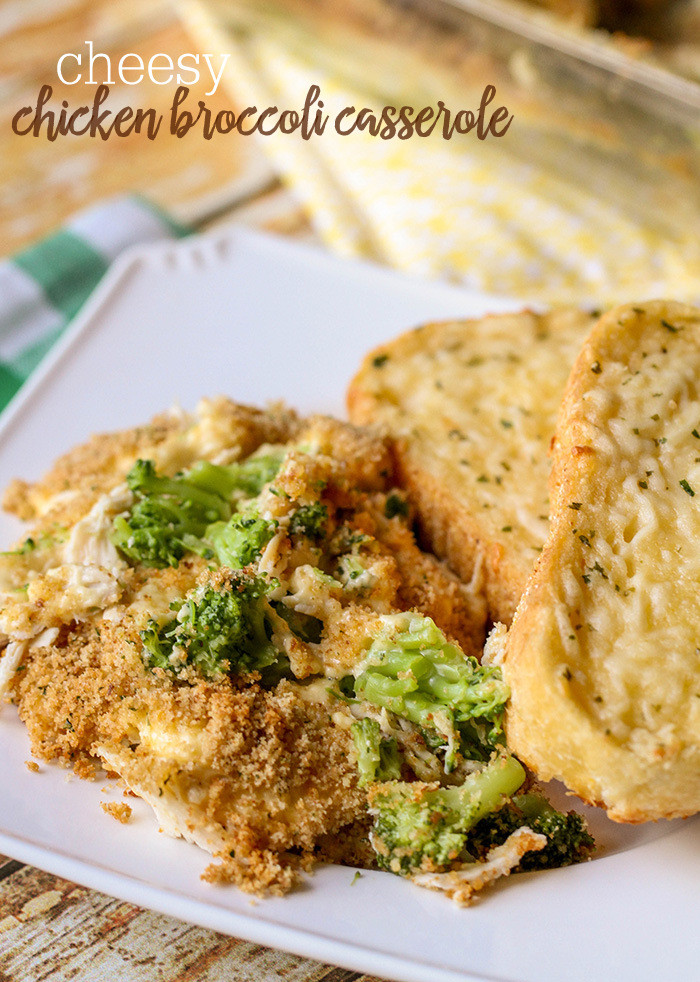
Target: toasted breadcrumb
<point>264,778</point>
<point>79,477</point>
<point>117,809</point>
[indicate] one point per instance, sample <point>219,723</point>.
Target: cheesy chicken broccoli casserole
<point>229,611</point>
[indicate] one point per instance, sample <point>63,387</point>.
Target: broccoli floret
<point>310,520</point>
<point>413,671</point>
<point>568,839</point>
<point>239,541</point>
<point>143,480</point>
<point>216,631</point>
<point>377,758</point>
<point>421,827</point>
<point>171,515</point>
<point>248,477</point>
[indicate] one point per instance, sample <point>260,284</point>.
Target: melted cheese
<point>603,659</point>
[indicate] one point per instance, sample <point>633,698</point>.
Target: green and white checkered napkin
<point>43,287</point>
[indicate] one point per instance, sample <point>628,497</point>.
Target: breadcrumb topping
<point>118,810</point>
<point>262,775</point>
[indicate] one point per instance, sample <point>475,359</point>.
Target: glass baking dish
<point>593,112</point>
<point>600,110</point>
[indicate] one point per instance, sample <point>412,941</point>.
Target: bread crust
<point>470,407</point>
<point>602,658</point>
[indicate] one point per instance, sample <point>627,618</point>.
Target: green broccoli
<point>171,515</point>
<point>419,827</point>
<point>413,671</point>
<point>239,541</point>
<point>168,518</point>
<point>216,631</point>
<point>377,758</point>
<point>248,477</point>
<point>568,839</point>
<point>309,520</point>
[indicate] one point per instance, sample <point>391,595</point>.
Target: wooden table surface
<point>51,929</point>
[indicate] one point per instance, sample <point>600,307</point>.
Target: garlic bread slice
<point>471,407</point>
<point>603,657</point>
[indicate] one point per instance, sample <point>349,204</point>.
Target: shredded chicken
<point>460,885</point>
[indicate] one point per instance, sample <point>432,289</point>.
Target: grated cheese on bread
<point>603,658</point>
<point>471,407</point>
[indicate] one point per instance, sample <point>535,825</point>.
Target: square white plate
<point>259,319</point>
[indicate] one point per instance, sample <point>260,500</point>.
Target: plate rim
<point>170,900</point>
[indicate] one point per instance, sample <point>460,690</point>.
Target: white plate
<point>258,319</point>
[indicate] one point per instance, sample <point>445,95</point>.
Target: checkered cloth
<point>44,287</point>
